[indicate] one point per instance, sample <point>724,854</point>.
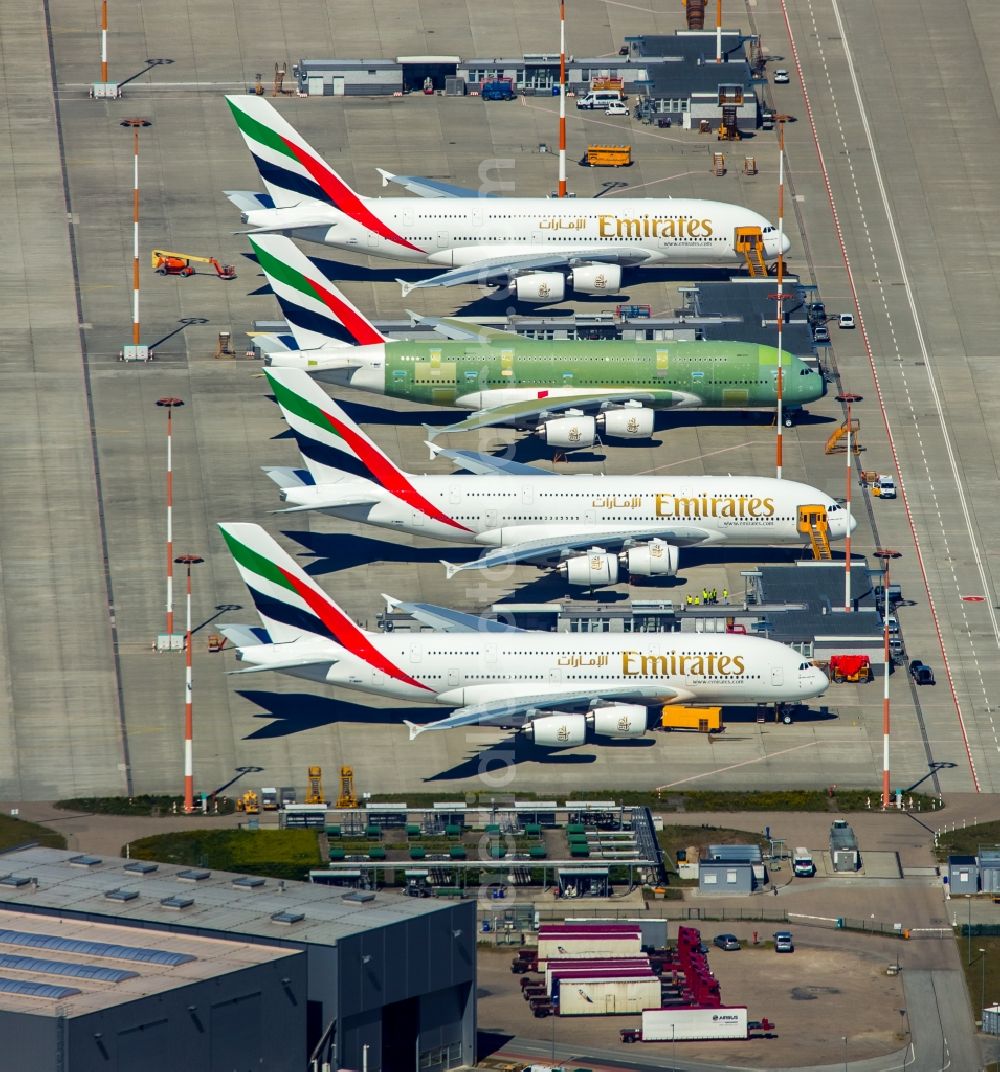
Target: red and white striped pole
<point>169,404</point>
<point>886,556</point>
<point>104,41</point>
<point>780,295</point>
<point>718,32</point>
<point>562,98</point>
<point>189,561</point>
<point>135,238</point>
<point>849,399</point>
<point>136,125</point>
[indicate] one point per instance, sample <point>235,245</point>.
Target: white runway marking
<point>900,368</point>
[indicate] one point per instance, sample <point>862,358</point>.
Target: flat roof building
<point>730,869</point>
<point>105,996</point>
<point>384,971</point>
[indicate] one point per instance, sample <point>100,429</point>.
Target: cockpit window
<point>803,666</point>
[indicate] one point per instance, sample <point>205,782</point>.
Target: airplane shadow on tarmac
<point>518,752</point>
<point>363,414</point>
<point>295,712</point>
<point>334,552</point>
<point>290,713</point>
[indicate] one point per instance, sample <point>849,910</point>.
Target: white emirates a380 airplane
<point>561,687</point>
<point>539,247</point>
<point>522,513</point>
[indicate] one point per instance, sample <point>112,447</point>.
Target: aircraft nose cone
<point>854,522</point>
<point>786,244</point>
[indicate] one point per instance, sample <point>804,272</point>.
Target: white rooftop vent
<point>288,918</point>
<point>361,896</point>
<point>121,895</point>
<point>141,867</point>
<point>193,875</point>
<point>177,902</point>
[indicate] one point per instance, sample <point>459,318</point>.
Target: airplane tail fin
<point>292,606</point>
<point>289,167</point>
<point>333,447</point>
<point>316,311</point>
<point>294,172</point>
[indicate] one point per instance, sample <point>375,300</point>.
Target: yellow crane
<point>314,794</point>
<point>348,798</point>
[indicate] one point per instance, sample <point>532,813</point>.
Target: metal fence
<point>524,918</point>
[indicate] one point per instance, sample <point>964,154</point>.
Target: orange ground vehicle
<point>165,263</point>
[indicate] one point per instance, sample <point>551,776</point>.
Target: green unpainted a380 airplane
<point>568,392</point>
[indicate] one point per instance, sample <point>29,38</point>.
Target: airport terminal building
<point>110,963</point>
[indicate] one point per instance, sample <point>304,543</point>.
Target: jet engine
<point>568,433</point>
<point>596,279</point>
<point>628,422</point>
<point>595,568</point>
<point>558,730</point>
<point>653,559</point>
<point>539,287</point>
<point>623,721</point>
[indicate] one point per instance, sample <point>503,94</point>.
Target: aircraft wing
<point>287,476</point>
<point>516,705</point>
<point>464,330</point>
<point>334,502</point>
<point>429,187</point>
<point>473,462</point>
<point>289,664</point>
<point>269,343</point>
<point>532,408</point>
<point>610,537</point>
<point>446,620</point>
<point>245,636</point>
<point>503,269</point>
<point>249,200</point>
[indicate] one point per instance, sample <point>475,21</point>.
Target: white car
<point>845,320</point>
<point>616,108</point>
<point>781,77</point>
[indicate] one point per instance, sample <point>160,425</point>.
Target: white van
<point>599,98</point>
<point>802,863</point>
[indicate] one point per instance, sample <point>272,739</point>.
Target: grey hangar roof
<point>218,900</point>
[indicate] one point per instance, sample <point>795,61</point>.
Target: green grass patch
<point>982,976</point>
<point>18,832</point>
<point>148,805</point>
<point>676,837</point>
<point>273,853</point>
<point>968,841</point>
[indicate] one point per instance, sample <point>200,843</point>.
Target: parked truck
<point>566,941</point>
<point>880,484</point>
<point>608,997</point>
<point>802,863</point>
<point>269,798</point>
<point>665,1025</point>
